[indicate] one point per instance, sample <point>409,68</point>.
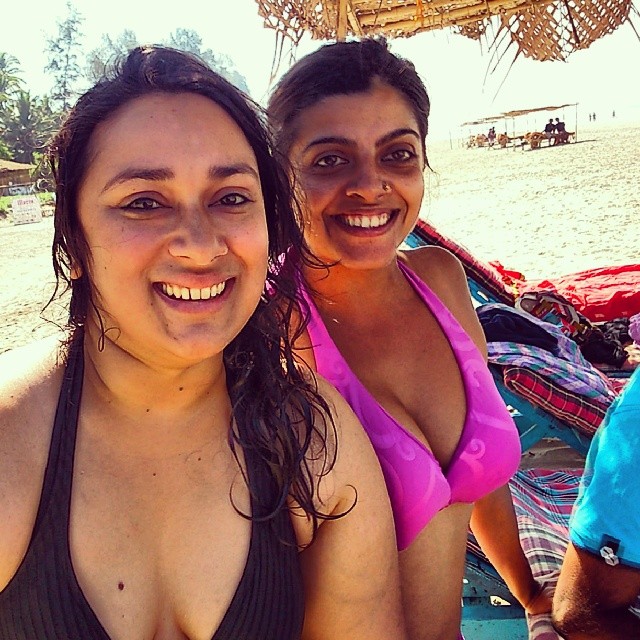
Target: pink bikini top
<point>487,454</point>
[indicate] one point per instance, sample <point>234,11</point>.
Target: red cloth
<point>601,294</point>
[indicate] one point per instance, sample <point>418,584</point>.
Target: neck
<point>361,289</point>
<point>143,402</point>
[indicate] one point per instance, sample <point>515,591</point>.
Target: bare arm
<point>592,598</point>
<point>351,570</point>
<point>493,522</point>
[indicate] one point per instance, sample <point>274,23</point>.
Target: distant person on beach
<point>561,132</point>
<point>549,129</point>
<point>600,576</point>
<point>168,471</point>
<point>491,136</point>
<point>395,330</point>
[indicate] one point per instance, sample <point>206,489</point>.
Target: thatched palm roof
<point>516,113</point>
<point>540,29</point>
<point>10,165</point>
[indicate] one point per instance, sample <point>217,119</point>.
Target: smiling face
<point>358,159</point>
<point>172,210</point>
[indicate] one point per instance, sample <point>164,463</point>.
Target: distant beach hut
<point>15,178</point>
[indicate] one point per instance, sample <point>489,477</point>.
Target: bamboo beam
<point>354,23</point>
<point>431,17</point>
<point>406,18</point>
<point>341,31</point>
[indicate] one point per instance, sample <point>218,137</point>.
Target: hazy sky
<point>601,79</point>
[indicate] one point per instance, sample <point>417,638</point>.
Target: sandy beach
<point>546,212</point>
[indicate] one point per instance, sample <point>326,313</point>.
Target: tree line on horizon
<point>27,121</point>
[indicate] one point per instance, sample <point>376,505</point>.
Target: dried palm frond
<point>539,29</point>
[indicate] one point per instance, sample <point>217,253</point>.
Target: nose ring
<point>386,186</point>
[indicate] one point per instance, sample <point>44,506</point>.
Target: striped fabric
<point>566,366</point>
<point>482,273</point>
<point>543,500</point>
<point>584,413</point>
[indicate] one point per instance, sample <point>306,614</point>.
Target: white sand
<point>546,212</point>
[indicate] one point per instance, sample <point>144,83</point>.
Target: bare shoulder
<point>349,430</point>
<point>438,268</point>
<point>444,274</point>
<point>30,379</point>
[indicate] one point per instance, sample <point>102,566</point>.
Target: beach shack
<point>15,178</point>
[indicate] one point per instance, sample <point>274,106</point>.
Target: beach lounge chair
<point>541,408</point>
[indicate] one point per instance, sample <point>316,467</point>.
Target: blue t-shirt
<point>606,516</point>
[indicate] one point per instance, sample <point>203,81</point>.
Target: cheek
<point>252,243</point>
<point>314,192</point>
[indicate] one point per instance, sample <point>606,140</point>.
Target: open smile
<point>178,292</point>
<point>367,221</point>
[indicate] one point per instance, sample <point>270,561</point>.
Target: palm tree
<point>28,124</point>
<point>10,81</point>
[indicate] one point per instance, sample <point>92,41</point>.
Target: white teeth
<point>367,222</point>
<point>185,293</point>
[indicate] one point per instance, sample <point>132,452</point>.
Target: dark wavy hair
<point>278,414</point>
<point>343,68</point>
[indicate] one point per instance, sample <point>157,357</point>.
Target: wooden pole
<point>341,33</point>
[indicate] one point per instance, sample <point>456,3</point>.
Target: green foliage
<point>190,41</point>
<point>5,152</point>
<point>100,59</point>
<point>10,81</point>
<point>63,62</point>
<point>27,123</point>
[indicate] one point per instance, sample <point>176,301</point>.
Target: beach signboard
<point>26,209</point>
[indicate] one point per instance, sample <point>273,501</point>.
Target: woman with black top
<point>167,471</point>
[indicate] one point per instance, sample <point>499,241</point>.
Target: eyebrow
<point>396,133</point>
<point>160,174</point>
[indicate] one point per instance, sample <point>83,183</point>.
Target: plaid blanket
<point>543,501</point>
<point>566,367</point>
<point>586,414</point>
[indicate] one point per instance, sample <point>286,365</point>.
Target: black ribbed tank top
<point>43,600</point>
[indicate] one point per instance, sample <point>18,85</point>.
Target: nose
<point>198,238</point>
<point>367,183</point>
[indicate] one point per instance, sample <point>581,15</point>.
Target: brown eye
<point>399,155</point>
<point>233,200</point>
<point>143,204</point>
<point>331,160</point>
